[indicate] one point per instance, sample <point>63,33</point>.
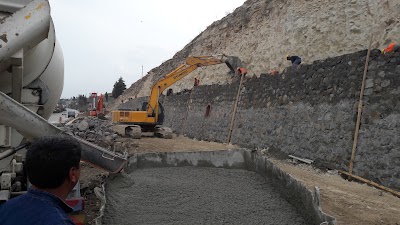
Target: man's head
<point>53,161</point>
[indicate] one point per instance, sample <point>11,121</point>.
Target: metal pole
<point>234,110</point>
<point>360,103</point>
<point>17,79</point>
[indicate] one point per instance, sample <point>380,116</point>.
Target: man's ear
<point>74,174</point>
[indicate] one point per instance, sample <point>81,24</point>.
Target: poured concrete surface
<point>195,195</point>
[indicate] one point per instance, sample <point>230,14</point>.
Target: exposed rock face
<point>262,32</point>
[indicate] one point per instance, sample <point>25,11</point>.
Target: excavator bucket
<point>233,62</point>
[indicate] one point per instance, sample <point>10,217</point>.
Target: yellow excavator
<point>132,123</point>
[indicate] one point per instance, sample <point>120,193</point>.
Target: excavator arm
<point>190,65</point>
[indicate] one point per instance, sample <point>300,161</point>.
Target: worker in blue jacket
<point>294,59</point>
<point>52,166</point>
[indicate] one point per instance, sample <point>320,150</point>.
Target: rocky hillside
<point>262,32</point>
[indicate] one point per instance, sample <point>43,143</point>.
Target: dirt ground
<point>176,144</point>
<point>349,202</point>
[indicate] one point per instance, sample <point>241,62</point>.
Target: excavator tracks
<point>163,132</point>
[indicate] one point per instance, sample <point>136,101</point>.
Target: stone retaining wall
<point>309,112</point>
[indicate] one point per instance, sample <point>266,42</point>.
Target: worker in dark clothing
<point>393,47</point>
<point>169,92</point>
<point>294,59</point>
<point>196,82</point>
<point>241,71</point>
<point>52,167</point>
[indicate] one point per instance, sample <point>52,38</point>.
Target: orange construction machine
<point>97,110</point>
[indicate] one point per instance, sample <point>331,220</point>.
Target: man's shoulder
<point>27,209</point>
<point>15,202</point>
<point>58,218</point>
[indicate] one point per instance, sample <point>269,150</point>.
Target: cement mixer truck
<point>31,82</point>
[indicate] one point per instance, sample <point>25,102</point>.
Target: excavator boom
<point>132,122</point>
<point>191,64</point>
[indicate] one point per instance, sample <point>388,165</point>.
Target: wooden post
<point>393,192</point>
<point>360,104</point>
<point>234,110</point>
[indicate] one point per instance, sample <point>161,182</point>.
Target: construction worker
<point>169,92</point>
<point>393,47</point>
<point>294,59</point>
<point>196,82</point>
<point>52,167</point>
<point>241,71</point>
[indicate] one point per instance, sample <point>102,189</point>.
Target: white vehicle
<point>71,113</point>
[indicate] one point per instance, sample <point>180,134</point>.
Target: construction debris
<point>308,161</point>
<point>93,130</point>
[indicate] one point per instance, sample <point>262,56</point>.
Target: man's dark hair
<point>49,159</point>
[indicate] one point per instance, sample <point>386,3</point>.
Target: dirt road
<point>178,144</point>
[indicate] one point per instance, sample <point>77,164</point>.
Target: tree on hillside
<point>119,88</point>
<point>106,96</point>
<point>82,101</point>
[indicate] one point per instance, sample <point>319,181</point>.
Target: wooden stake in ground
<point>395,193</point>
<point>234,109</point>
<point>360,104</point>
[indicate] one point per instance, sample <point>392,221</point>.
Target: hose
<point>12,151</point>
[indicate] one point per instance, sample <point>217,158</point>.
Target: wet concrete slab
<point>196,195</point>
<point>214,187</point>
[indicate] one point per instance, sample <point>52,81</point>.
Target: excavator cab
<point>160,117</point>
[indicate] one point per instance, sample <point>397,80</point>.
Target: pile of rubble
<point>100,132</point>
<point>93,130</point>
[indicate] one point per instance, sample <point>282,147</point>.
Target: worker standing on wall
<point>169,93</point>
<point>52,166</point>
<point>294,59</point>
<point>196,82</point>
<point>393,47</point>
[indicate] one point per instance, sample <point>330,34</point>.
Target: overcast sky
<point>103,40</point>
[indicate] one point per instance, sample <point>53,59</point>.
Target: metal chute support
<point>31,81</point>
